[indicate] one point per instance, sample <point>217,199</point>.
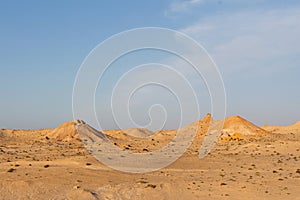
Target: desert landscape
<point>248,162</point>
<point>150,100</point>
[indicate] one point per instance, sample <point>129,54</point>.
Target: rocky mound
<point>237,125</point>
<point>296,125</point>
<point>65,132</point>
<point>294,128</point>
<point>69,131</point>
<point>200,126</point>
<point>139,132</point>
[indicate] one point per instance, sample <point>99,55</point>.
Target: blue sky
<point>254,43</point>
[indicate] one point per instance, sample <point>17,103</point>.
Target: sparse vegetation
<point>11,170</point>
<point>150,186</point>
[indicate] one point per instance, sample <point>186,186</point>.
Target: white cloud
<point>195,29</point>
<point>182,6</point>
<point>250,39</point>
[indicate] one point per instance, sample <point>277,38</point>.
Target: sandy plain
<point>248,162</point>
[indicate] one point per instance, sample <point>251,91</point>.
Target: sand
<point>247,162</point>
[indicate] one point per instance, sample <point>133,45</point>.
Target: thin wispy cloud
<point>250,39</point>
<point>181,6</point>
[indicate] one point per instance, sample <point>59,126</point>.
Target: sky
<point>255,45</point>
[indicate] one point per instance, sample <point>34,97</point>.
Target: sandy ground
<point>247,163</point>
